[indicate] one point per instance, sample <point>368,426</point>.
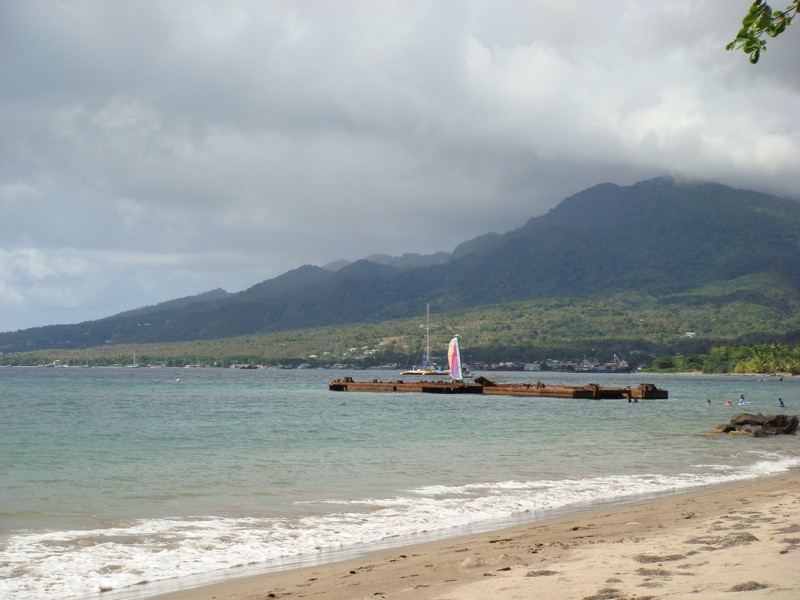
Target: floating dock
<point>486,387</point>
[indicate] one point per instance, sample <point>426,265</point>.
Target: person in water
<point>741,400</point>
<point>780,403</point>
<point>708,401</point>
<point>728,403</point>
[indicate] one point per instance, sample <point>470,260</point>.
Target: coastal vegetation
<point>712,329</point>
<point>750,359</point>
<point>657,269</point>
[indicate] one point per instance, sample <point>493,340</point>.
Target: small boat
<point>616,366</point>
<point>454,360</point>
<point>415,371</point>
<point>426,368</point>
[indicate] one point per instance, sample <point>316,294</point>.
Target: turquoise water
<point>112,477</point>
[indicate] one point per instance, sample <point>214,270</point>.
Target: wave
<point>63,564</point>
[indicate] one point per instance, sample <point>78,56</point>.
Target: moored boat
<point>616,366</point>
<point>426,368</point>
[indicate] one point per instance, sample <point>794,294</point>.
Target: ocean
<point>133,482</point>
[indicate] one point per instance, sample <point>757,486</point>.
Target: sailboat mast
<point>427,334</point>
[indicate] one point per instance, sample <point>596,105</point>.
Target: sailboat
<point>134,365</point>
<point>454,359</point>
<point>426,368</point>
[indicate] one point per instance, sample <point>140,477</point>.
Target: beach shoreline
<point>741,536</point>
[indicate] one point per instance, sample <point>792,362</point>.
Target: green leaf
<point>776,31</point>
<point>764,21</point>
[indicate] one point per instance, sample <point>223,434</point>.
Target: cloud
<point>30,276</point>
<point>154,150</point>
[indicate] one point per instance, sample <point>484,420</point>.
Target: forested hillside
<point>636,326</point>
<point>695,247</point>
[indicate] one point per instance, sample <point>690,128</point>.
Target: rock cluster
<point>761,425</point>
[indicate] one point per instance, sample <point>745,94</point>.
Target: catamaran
<point>454,359</point>
<point>426,368</point>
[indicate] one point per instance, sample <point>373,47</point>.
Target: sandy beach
<point>738,540</point>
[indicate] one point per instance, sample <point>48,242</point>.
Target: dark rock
<point>792,423</point>
<point>751,429</point>
<point>778,421</point>
<point>762,426</point>
<point>766,431</point>
<point>748,419</point>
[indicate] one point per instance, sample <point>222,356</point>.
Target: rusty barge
<point>486,387</point>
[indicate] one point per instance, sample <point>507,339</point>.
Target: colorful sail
<point>454,358</point>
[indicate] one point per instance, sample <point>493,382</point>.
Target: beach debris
<point>718,542</point>
<point>749,586</point>
<point>793,542</point>
<point>651,584</point>
<point>759,425</point>
<point>657,558</point>
<point>605,594</point>
<point>653,572</point>
<point>541,573</point>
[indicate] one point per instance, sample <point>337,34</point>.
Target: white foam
<point>62,564</point>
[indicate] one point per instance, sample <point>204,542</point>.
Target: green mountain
<point>689,243</point>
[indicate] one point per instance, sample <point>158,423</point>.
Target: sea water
<point>133,482</point>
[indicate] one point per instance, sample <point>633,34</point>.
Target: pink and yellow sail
<point>454,358</point>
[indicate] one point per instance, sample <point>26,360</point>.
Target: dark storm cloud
<point>152,150</point>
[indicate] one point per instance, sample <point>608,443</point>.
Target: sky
<point>152,150</point>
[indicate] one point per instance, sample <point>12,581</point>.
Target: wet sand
<point>736,541</point>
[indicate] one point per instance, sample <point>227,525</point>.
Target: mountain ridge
<point>658,235</point>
